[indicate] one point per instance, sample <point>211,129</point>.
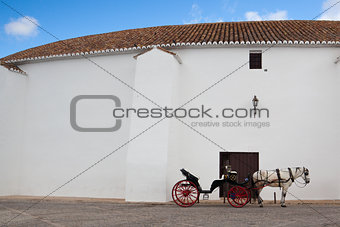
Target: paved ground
<point>61,212</point>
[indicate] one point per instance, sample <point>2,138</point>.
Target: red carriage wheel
<point>185,193</point>
<point>238,196</point>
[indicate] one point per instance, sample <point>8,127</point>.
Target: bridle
<point>304,175</point>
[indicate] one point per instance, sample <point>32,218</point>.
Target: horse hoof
<point>283,206</point>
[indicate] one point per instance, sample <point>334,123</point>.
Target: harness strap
<point>278,176</point>
<point>291,174</point>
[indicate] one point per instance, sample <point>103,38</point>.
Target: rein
<point>301,183</point>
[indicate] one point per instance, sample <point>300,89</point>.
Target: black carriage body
<point>230,178</point>
<point>185,193</point>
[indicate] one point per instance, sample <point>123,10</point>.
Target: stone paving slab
<point>101,212</point>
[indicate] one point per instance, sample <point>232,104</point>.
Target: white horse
<point>278,178</point>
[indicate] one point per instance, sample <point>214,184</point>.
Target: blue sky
<point>67,19</point>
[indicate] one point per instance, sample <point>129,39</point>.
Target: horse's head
<point>305,175</point>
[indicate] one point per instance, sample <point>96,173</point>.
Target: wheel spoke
<point>237,196</point>
<point>185,193</point>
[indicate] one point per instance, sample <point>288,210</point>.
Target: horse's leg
<point>283,196</point>
<point>260,200</point>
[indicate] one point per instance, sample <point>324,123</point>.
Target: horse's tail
<point>252,183</point>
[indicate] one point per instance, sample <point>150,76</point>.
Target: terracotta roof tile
<point>166,36</point>
<point>13,68</point>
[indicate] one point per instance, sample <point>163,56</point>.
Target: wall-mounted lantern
<point>255,103</point>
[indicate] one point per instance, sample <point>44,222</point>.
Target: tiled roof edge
<point>198,44</point>
<point>13,68</point>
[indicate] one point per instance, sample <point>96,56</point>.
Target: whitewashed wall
<point>300,88</point>
<point>41,150</point>
<point>13,90</point>
<point>51,151</point>
<point>147,160</point>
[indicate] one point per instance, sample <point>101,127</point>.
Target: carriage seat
<point>190,177</point>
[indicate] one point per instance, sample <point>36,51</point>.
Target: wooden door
<point>244,163</point>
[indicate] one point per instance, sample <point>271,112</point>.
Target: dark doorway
<point>244,163</point>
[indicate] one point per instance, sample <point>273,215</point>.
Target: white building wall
<point>300,89</point>
<point>147,159</point>
<point>12,115</point>
<point>52,152</point>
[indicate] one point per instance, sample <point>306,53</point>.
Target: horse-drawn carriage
<point>186,193</point>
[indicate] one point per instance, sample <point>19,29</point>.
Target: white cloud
<point>196,15</point>
<point>279,15</point>
<point>22,27</point>
<point>251,15</point>
<point>255,16</point>
<point>333,13</point>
